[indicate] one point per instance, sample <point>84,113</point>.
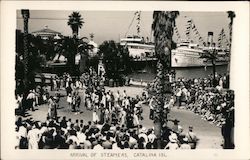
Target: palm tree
<point>231,16</point>
<point>163,25</point>
<point>75,21</point>
<point>25,14</point>
<point>229,121</point>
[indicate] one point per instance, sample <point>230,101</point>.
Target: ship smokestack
<point>210,39</point>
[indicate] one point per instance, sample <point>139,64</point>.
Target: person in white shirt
<point>151,136</point>
<point>171,102</point>
<point>185,144</point>
<point>81,137</point>
<point>34,136</point>
<point>95,116</point>
<point>70,101</point>
<point>192,138</point>
<point>173,142</point>
<point>151,107</point>
<point>143,135</point>
<point>123,95</point>
<point>178,97</point>
<point>117,97</point>
<point>98,147</point>
<point>74,139</point>
<point>31,100</point>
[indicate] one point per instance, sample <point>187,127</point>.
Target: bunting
<point>197,34</point>
<point>138,18</point>
<point>177,33</point>
<point>188,26</point>
<point>222,37</point>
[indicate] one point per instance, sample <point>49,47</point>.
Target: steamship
<point>186,54</point>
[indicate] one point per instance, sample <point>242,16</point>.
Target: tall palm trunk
<point>231,15</point>
<point>163,25</point>
<point>230,44</point>
<point>25,14</point>
<point>75,31</point>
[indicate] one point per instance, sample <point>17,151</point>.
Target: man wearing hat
<point>176,127</point>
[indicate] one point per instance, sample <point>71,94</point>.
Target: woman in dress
<point>50,103</point>
<point>69,100</point>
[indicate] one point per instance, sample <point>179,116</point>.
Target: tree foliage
<point>75,22</point>
<point>116,59</point>
<point>35,60</point>
<point>70,47</point>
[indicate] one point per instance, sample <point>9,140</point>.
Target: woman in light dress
<point>95,116</point>
<point>70,101</point>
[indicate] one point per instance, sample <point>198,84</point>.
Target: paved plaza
<point>209,134</point>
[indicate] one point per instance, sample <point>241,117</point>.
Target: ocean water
<point>199,72</point>
<point>188,72</point>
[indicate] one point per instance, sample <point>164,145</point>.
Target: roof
<point>93,43</point>
<point>47,30</point>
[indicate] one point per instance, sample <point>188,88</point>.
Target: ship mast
<point>137,15</point>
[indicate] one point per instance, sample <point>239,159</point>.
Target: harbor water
<point>199,72</point>
<point>181,72</point>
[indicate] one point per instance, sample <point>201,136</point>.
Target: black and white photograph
<point>121,80</point>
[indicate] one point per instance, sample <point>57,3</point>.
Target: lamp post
<point>213,52</point>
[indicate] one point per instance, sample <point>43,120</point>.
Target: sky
<point>113,25</point>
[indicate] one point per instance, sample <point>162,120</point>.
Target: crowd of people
<point>116,116</point>
<point>115,124</point>
<point>198,95</point>
<point>213,104</point>
<point>66,134</point>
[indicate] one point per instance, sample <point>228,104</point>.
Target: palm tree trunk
<point>163,32</point>
<point>230,44</point>
<point>231,15</point>
<point>25,14</point>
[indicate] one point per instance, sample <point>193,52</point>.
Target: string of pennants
<point>188,28</point>
<point>221,37</point>
<point>177,33</point>
<point>138,18</point>
<point>191,27</point>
